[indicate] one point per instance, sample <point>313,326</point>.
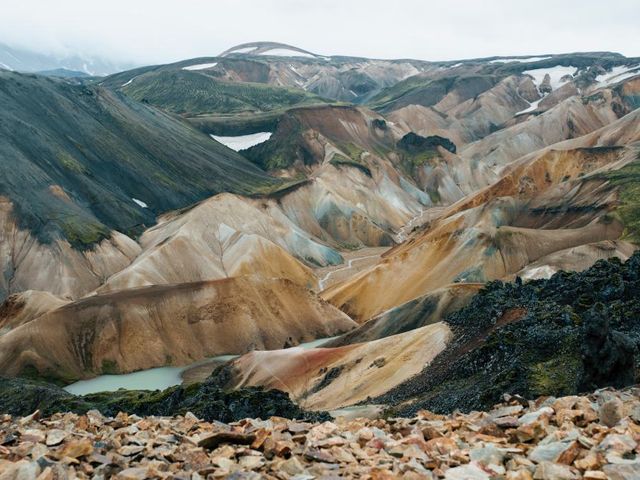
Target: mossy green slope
<point>427,91</point>
<point>193,93</point>
<point>74,157</point>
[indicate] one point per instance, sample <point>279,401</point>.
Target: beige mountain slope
<point>224,236</point>
<point>23,307</point>
<point>348,209</point>
<point>572,118</point>
<point>327,378</point>
<point>545,202</point>
<point>449,177</point>
<point>174,324</point>
<point>57,267</point>
<point>500,130</point>
<point>228,236</point>
<point>551,209</point>
<point>354,194</point>
<point>577,259</point>
<point>426,310</point>
<point>472,119</point>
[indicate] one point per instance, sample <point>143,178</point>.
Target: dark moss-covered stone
<point>379,123</point>
<point>207,400</point>
<point>608,356</point>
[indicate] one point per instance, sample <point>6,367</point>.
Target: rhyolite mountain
<point>85,169</point>
<point>385,201</point>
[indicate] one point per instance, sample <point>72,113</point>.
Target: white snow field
<point>242,142</point>
<point>200,66</point>
<point>617,74</point>
<point>556,74</point>
<point>531,108</point>
<point>519,60</point>
<point>140,203</point>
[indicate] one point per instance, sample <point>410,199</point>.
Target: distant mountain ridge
<point>25,60</point>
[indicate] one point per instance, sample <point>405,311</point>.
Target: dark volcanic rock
<point>413,143</point>
<point>607,356</point>
<point>207,401</point>
<point>544,337</point>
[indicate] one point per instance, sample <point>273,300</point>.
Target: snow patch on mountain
<point>539,272</point>
<point>242,142</point>
<point>200,66</point>
<point>244,50</point>
<point>531,108</point>
<point>617,74</point>
<point>556,75</point>
<point>519,60</point>
<point>140,203</point>
<point>129,82</point>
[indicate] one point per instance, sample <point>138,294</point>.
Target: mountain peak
<point>269,49</point>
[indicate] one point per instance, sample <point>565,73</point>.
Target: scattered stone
<point>213,441</point>
<point>76,449</point>
<point>549,452</point>
<point>129,450</point>
<point>630,471</point>
<point>554,471</point>
<point>55,437</point>
<point>594,475</point>
<point>489,455</point>
<point>611,412</point>
<point>466,472</point>
<point>550,439</point>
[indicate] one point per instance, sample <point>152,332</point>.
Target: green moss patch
<point>627,180</point>
<point>70,163</point>
<point>557,376</point>
<point>82,233</point>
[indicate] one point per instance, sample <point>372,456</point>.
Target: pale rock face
<point>56,268</point>
<point>472,119</point>
<point>507,145</point>
<point>23,307</point>
<point>224,236</point>
<point>328,378</point>
<point>611,412</point>
<point>177,324</point>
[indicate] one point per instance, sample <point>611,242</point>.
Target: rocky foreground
<point>590,437</point>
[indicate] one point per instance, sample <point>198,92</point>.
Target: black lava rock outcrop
<point>571,333</point>
<point>414,143</point>
<point>607,355</point>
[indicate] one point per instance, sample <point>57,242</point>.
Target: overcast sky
<point>146,31</point>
